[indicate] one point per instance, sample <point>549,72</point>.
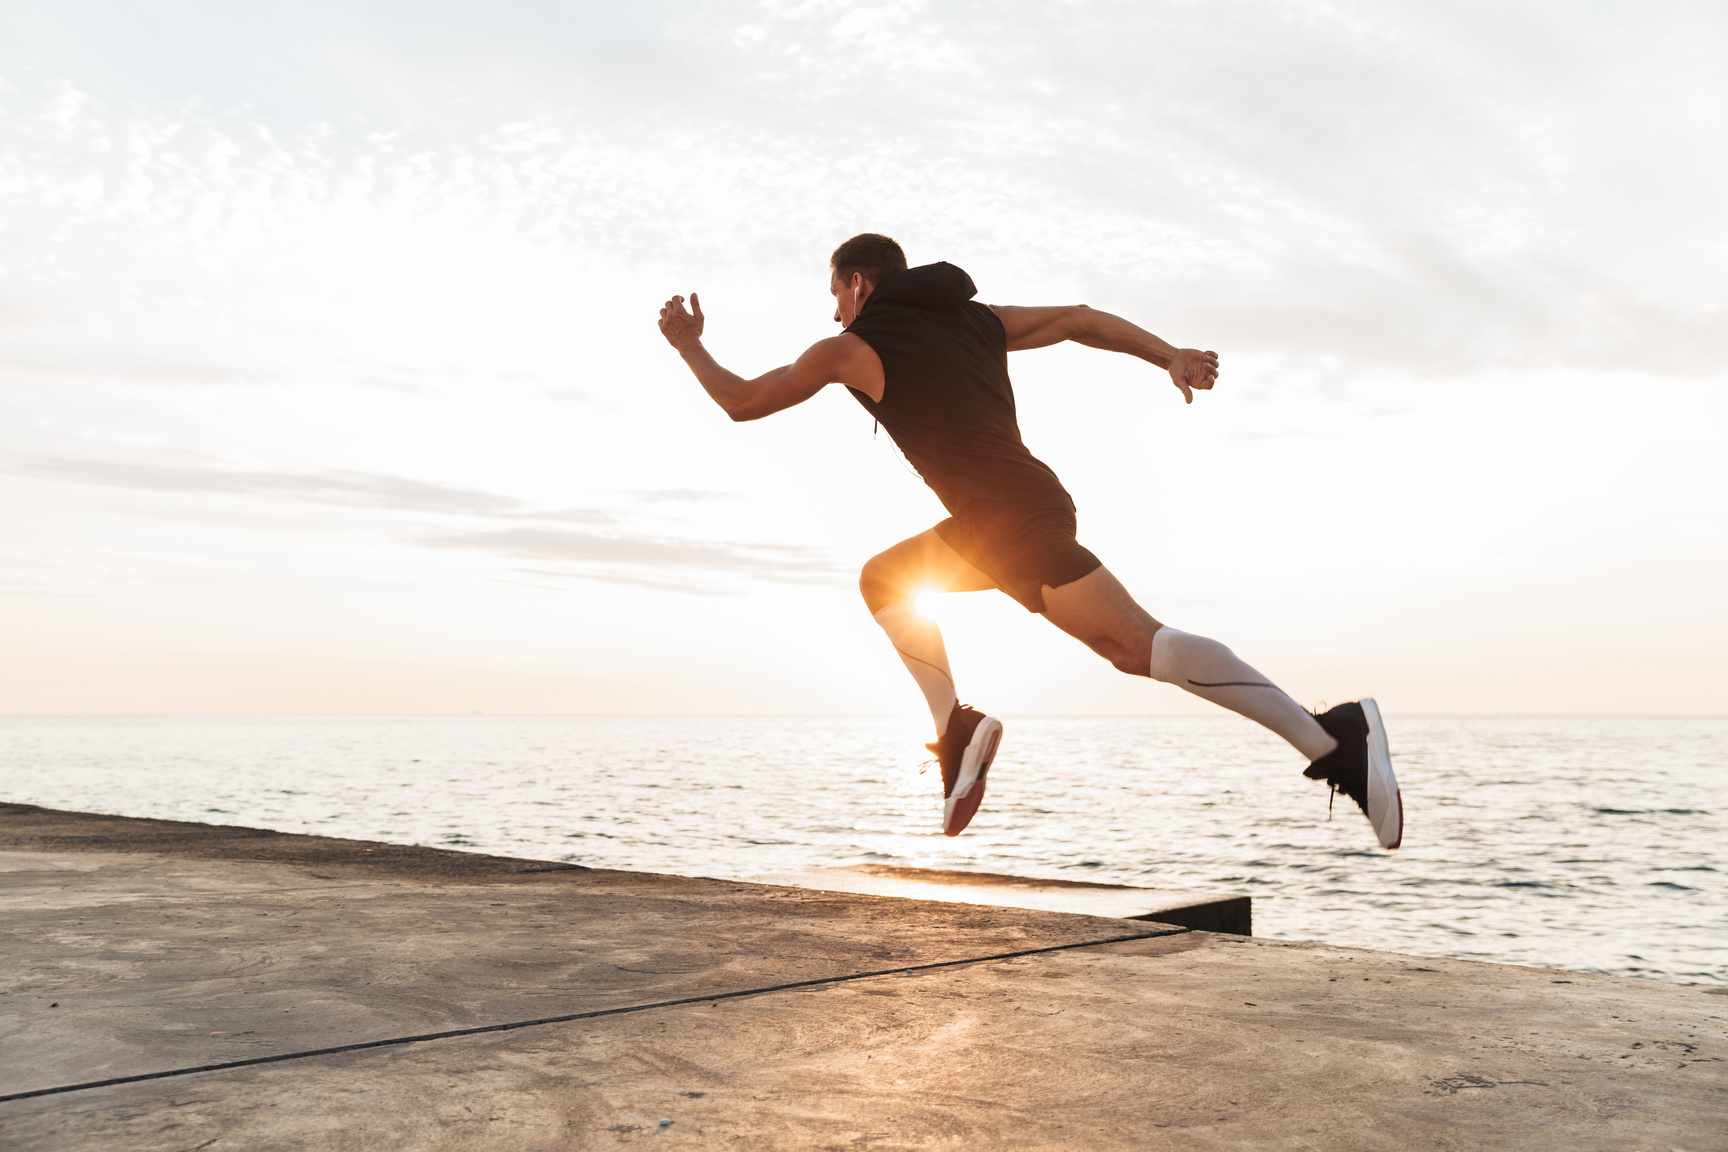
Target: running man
<point>931,365</point>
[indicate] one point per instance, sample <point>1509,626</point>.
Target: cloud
<point>646,555</point>
<point>539,534</point>
<point>1363,182</point>
<point>67,359</point>
<point>357,489</point>
<point>633,577</point>
<point>23,576</point>
<point>679,496</point>
<point>392,384</point>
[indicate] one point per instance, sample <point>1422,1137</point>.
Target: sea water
<point>1596,844</point>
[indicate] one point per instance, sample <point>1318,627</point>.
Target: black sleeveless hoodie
<point>947,401</point>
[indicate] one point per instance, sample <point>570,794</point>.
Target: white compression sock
<point>1213,672</point>
<point>919,643</point>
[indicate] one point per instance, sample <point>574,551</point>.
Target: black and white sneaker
<point>965,751</point>
<point>1361,767</point>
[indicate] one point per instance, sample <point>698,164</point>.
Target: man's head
<point>855,269</point>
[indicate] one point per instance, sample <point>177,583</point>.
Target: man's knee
<point>877,582</point>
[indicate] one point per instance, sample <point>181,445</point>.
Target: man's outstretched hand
<point>1190,368</point>
<point>681,328</point>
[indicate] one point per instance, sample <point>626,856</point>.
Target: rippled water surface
<point>1595,844</point>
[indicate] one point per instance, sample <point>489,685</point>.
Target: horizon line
<point>797,715</point>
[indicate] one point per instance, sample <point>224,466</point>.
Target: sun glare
<point>925,603</point>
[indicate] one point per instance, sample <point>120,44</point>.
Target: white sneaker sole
<point>962,804</point>
<point>1385,802</point>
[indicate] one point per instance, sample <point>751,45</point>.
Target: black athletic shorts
<point>1022,549</point>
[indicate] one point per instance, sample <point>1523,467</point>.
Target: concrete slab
<point>1187,1040</point>
<point>128,962</point>
<point>1167,906</point>
<point>1151,1045</point>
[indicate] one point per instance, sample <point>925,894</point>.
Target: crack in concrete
<point>905,970</point>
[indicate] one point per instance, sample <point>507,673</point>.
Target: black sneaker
<point>1361,767</point>
<point>965,751</point>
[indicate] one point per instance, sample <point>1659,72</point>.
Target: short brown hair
<point>870,253</point>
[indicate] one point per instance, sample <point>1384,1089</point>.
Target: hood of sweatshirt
<point>939,285</point>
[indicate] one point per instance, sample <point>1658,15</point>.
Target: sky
<point>330,381</point>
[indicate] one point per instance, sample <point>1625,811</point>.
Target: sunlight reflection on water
<point>1597,844</point>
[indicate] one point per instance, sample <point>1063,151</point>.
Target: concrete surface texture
<point>724,1015</point>
<point>1121,901</point>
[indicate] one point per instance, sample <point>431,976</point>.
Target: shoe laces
<point>934,746</point>
<point>1332,788</point>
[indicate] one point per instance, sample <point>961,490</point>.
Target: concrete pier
<point>1118,901</point>
<point>182,986</point>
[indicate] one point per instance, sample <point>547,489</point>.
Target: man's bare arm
<point>843,359</point>
<point>1189,368</point>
